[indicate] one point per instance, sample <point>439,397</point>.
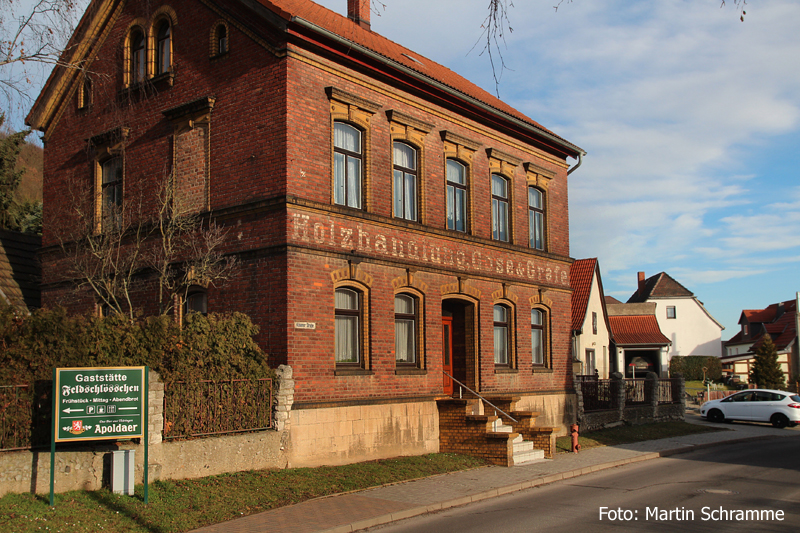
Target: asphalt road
<point>708,490</point>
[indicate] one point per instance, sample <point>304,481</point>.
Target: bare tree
<point>189,250</point>
<point>33,37</point>
<point>116,256</point>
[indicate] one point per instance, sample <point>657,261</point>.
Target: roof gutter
<point>441,86</point>
<point>580,161</point>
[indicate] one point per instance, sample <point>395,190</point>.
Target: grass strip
<point>628,434</point>
<point>182,505</point>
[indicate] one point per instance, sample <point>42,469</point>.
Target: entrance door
<point>447,353</point>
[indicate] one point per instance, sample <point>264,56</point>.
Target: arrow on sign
<point>70,410</point>
<point>126,408</point>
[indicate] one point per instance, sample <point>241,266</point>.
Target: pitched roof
<point>292,10</point>
<point>581,274</point>
<point>302,17</point>
<point>637,330</point>
<point>779,321</point>
<point>20,272</point>
<point>611,300</point>
<point>660,286</point>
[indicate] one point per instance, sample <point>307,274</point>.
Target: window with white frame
<point>348,318</point>
<point>405,329</point>
<point>500,228</point>
<point>456,196</point>
<point>535,218</point>
<point>347,165</point>
<point>538,337</point>
<point>501,335</point>
<point>405,181</point>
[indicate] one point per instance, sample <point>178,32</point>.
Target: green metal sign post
<point>99,404</point>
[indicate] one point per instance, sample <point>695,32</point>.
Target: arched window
<point>85,94</point>
<point>456,196</point>
<point>348,311</point>
<point>502,317</point>
<point>137,56</point>
<point>538,337</point>
<point>405,329</point>
<point>500,231</point>
<point>535,218</point>
<point>405,181</point>
<point>221,39</point>
<point>196,301</point>
<point>163,47</point>
<point>347,165</point>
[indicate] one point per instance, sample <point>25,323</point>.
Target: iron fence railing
<point>16,407</point>
<point>637,392</point>
<point>669,391</point>
<point>600,395</point>
<point>193,409</point>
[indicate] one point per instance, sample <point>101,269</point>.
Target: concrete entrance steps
<point>524,452</point>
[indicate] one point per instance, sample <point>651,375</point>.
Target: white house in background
<point>681,316</point>
<point>591,333</point>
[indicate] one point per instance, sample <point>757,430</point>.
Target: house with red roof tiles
<point>681,316</point>
<point>591,332</point>
<point>781,321</point>
<point>401,235</point>
<point>638,345</point>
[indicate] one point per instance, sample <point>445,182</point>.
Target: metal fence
<point>637,392</point>
<point>215,407</point>
<point>15,417</point>
<point>599,395</point>
<point>669,391</point>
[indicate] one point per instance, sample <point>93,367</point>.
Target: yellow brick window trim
<point>104,147</point>
<point>462,150</point>
<point>511,329</point>
<point>162,14</point>
<point>419,333</point>
<point>138,24</point>
<point>213,38</point>
<point>411,131</point>
<point>540,178</point>
<point>357,112</point>
<point>363,292</point>
<point>544,305</point>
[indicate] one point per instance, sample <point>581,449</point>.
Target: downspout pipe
<point>580,162</point>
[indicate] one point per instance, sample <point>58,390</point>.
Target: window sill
<point>352,372</point>
<point>542,370</point>
<point>410,372</point>
<point>505,370</point>
<point>219,56</point>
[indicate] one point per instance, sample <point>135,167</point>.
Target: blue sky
<point>691,121</point>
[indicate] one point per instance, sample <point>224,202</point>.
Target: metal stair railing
<point>496,409</point>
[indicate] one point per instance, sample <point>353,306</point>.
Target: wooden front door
<point>447,353</point>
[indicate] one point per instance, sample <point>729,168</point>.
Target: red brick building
<point>391,220</point>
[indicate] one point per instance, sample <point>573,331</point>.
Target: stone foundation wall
<point>557,410</point>
<point>348,434</point>
<point>85,466</point>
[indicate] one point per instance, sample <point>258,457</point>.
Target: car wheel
<point>779,421</point>
<point>715,415</point>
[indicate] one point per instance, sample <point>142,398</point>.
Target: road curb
<point>543,480</point>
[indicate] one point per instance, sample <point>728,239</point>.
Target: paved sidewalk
<point>358,510</point>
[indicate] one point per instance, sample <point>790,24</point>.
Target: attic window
<point>415,60</point>
<point>670,311</point>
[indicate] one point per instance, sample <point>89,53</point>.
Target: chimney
<point>641,284</point>
<point>358,12</point>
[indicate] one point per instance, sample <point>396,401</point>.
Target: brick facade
<point>255,155</point>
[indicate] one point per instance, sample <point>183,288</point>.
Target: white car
<point>758,405</point>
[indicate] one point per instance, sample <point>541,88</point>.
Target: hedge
<point>214,347</point>
<point>691,366</point>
